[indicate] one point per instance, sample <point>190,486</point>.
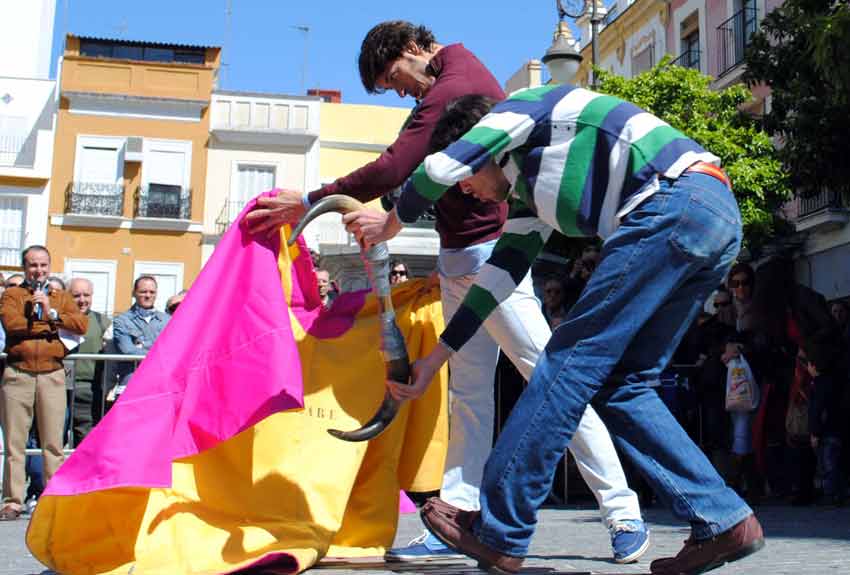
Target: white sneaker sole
<point>422,558</point>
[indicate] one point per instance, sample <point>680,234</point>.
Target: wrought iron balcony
<point>824,200</point>
<point>229,212</point>
<point>824,211</point>
<point>688,59</point>
<point>93,198</point>
<point>733,37</point>
<point>164,201</point>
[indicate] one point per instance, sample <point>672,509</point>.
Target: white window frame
<point>681,14</point>
<point>234,173</point>
<point>24,215</point>
<point>109,267</point>
<point>153,268</point>
<point>648,48</point>
<point>760,9</point>
<point>85,141</point>
<point>180,146</point>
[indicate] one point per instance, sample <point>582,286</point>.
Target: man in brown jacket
<point>34,379</point>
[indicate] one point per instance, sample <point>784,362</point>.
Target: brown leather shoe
<point>745,538</point>
<point>453,527</point>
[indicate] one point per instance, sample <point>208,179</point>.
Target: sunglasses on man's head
<point>738,283</point>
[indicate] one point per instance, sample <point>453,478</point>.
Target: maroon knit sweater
<point>461,220</point>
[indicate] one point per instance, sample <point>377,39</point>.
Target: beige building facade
<point>257,142</point>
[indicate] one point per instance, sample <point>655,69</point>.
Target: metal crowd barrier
<point>675,381</point>
<point>70,375</point>
<point>682,371</point>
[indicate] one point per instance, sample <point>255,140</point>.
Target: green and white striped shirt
<point>579,161</point>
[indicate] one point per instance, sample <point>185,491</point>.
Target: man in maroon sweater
<point>434,75</point>
<point>406,58</point>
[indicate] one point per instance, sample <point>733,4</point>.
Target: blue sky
<point>267,54</point>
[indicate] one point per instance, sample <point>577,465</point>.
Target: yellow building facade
<point>129,166</point>
<point>350,136</point>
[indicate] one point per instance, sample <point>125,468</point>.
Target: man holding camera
<point>34,379</point>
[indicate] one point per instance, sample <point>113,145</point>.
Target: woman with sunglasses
<point>782,317</point>
<point>398,272</point>
<point>743,474</point>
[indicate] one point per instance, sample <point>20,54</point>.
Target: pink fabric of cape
<point>405,505</point>
<point>207,377</point>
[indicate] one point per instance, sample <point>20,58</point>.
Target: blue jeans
<point>656,271</point>
<point>829,454</point>
<point>34,468</point>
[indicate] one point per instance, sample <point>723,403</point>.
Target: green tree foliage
<point>802,52</point>
<point>682,97</point>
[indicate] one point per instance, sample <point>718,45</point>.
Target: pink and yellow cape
<point>216,459</point>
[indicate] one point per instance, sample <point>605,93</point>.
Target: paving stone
<point>573,541</point>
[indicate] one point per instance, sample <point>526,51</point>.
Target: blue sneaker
<point>426,547</point>
<point>629,540</point>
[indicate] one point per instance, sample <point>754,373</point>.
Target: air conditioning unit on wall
<point>133,152</point>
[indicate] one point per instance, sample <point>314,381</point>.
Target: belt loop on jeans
<point>710,170</point>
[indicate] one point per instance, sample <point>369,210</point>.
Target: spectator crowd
<point>793,444</point>
<point>51,401</point>
<point>48,400</point>
<point>790,443</point>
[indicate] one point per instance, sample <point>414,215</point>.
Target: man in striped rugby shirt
<point>580,163</point>
<point>399,56</point>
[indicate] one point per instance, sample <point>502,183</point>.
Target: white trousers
<point>519,328</point>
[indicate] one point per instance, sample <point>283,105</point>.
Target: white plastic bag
<point>742,392</point>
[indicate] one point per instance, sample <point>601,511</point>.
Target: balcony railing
<point>164,201</point>
<point>688,59</point>
<point>733,37</point>
<point>14,151</point>
<point>229,212</point>
<point>93,198</point>
<point>826,199</point>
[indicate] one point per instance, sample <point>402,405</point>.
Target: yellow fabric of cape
<point>284,485</point>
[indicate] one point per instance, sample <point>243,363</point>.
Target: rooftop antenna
<point>228,28</point>
<point>65,25</point>
<point>306,31</point>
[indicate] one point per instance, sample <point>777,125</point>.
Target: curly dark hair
<point>385,43</point>
<point>460,115</point>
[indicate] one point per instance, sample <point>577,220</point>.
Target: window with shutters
<point>643,60</point>
<point>165,189</point>
<point>248,181</point>
<point>98,187</point>
<point>12,219</point>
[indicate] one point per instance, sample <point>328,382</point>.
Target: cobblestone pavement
<point>572,541</point>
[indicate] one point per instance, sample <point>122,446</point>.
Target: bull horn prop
<point>396,362</point>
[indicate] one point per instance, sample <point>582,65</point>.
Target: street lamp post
<point>562,58</point>
<point>556,52</point>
